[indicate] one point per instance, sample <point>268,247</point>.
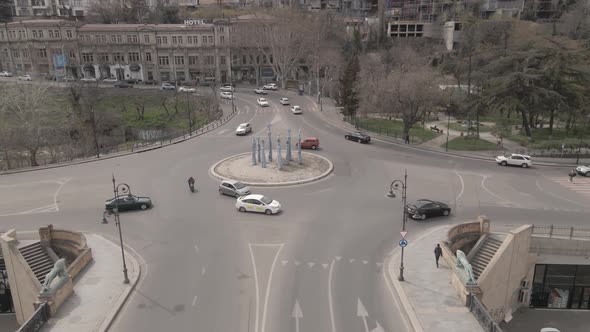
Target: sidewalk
<point>99,291</point>
<point>427,295</point>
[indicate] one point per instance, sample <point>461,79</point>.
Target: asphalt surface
<point>211,268</point>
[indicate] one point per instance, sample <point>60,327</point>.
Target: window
<point>133,56</point>
<point>35,35</point>
<point>146,39</point>
<point>40,32</point>
<point>118,57</point>
<point>22,34</point>
<point>96,38</point>
<point>113,39</point>
<point>210,39</point>
<point>220,29</point>
<point>193,60</point>
<point>50,33</point>
<point>164,40</point>
<point>189,39</point>
<point>103,39</point>
<point>158,40</point>
<point>204,40</point>
<point>222,40</point>
<point>5,53</point>
<point>103,57</point>
<point>179,59</point>
<point>56,33</point>
<point>134,39</point>
<point>42,53</point>
<point>209,60</point>
<point>72,54</point>
<point>15,54</point>
<point>235,59</point>
<point>148,57</point>
<point>13,34</point>
<point>69,34</point>
<point>119,39</point>
<point>129,39</point>
<point>222,60</point>
<point>1,34</point>
<point>163,60</point>
<point>174,40</point>
<point>26,53</point>
<point>244,60</point>
<point>180,39</point>
<point>87,57</point>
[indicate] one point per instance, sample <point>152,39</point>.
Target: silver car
<point>583,170</point>
<point>233,188</point>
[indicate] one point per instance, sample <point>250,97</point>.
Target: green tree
<point>502,130</point>
<point>349,91</point>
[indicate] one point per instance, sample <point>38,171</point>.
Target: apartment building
<point>165,52</point>
<point>46,8</point>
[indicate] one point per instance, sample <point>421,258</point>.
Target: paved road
<point>213,269</point>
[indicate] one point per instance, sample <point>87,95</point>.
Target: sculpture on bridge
<point>253,151</point>
<point>269,143</point>
<point>279,154</point>
<point>259,148</point>
<point>58,271</point>
<point>263,160</point>
<point>463,263</point>
<point>289,158</point>
<point>299,146</point>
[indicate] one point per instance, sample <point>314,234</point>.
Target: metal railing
<point>35,322</point>
<point>560,231</point>
<point>482,315</point>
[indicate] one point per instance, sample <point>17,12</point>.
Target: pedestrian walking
<point>572,174</point>
<point>437,253</point>
<point>407,139</point>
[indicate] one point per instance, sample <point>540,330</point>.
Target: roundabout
<point>239,167</point>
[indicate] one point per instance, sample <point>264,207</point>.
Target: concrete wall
<point>69,243</point>
<point>25,285</point>
<point>560,246</point>
<point>500,281</point>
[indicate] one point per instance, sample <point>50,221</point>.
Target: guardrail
<point>482,315</point>
<point>560,231</point>
<point>35,322</point>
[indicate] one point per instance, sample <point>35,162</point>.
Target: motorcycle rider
<point>191,182</point>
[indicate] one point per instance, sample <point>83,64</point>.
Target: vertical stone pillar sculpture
<point>289,158</point>
<point>263,161</point>
<point>279,154</point>
<point>259,147</point>
<point>269,143</point>
<point>299,146</point>
<point>253,151</point>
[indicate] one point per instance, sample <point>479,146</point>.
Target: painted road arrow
<point>297,314</point>
<point>379,328</point>
<point>361,311</point>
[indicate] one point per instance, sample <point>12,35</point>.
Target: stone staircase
<point>37,259</point>
<point>484,255</point>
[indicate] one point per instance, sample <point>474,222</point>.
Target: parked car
<point>25,78</point>
<point>310,143</point>
<point>296,110</point>
<point>123,85</point>
<point>88,79</point>
<point>243,129</point>
<point>257,203</point>
<point>133,81</point>
<point>227,88</point>
<point>167,86</point>
<point>424,208</point>
<point>68,78</point>
<point>5,74</point>
<point>110,80</point>
<point>260,91</point>
<point>514,159</point>
<point>358,137</point>
<point>226,95</point>
<point>151,82</point>
<point>270,86</point>
<point>233,188</point>
<point>128,202</point>
<point>583,170</point>
<point>186,89</point>
<point>284,101</point>
<point>262,102</point>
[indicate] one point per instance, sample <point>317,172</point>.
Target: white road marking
<point>556,196</point>
<point>284,262</point>
<point>325,266</point>
<point>352,260</point>
<point>194,301</point>
<point>365,262</point>
<point>257,288</point>
<point>462,188</point>
<point>379,264</point>
<point>196,248</point>
<point>62,183</point>
<point>203,271</point>
<point>297,263</point>
<point>330,301</point>
<point>338,258</point>
<point>503,201</point>
<point>223,131</point>
<point>310,264</point>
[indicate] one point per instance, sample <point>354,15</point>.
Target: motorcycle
<point>192,187</point>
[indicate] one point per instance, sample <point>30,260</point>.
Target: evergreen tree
<point>349,92</point>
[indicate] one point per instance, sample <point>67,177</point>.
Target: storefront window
<point>561,286</point>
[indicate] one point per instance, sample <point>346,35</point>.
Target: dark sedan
<point>128,202</point>
<point>123,85</point>
<point>358,137</point>
<point>425,208</point>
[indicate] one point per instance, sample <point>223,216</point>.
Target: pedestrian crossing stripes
<point>579,184</point>
<point>311,265</point>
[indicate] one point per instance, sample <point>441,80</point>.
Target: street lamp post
<point>125,189</point>
<point>394,186</point>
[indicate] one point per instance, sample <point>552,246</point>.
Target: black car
<point>123,85</point>
<point>424,208</point>
<point>128,202</point>
<point>358,137</point>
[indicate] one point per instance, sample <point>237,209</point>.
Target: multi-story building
<point>164,52</point>
<point>52,7</point>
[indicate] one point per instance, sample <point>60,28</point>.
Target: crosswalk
<point>323,265</point>
<point>580,184</point>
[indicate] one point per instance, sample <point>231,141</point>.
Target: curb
<point>133,257</point>
<point>273,184</point>
<point>151,148</point>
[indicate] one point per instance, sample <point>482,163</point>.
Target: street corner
<point>240,167</point>
<point>31,197</point>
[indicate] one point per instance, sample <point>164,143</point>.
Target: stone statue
<point>253,151</point>
<point>463,264</point>
<point>263,160</point>
<point>259,148</point>
<point>269,143</point>
<point>59,270</point>
<point>299,146</point>
<point>279,154</point>
<point>289,158</point>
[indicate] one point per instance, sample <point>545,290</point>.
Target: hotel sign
<point>194,21</point>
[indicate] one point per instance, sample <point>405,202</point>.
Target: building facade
<point>167,52</point>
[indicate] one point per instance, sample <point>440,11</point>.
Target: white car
<point>110,80</point>
<point>262,102</point>
<point>260,91</point>
<point>257,203</point>
<point>226,95</point>
<point>284,101</point>
<point>243,129</point>
<point>270,86</point>
<point>583,170</point>
<point>227,88</point>
<point>186,89</point>
<point>167,86</point>
<point>5,74</point>
<point>25,78</point>
<point>514,159</point>
<point>88,79</point>
<point>296,109</point>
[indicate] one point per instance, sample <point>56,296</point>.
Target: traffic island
<point>239,167</point>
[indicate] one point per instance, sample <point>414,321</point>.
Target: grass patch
<point>513,120</point>
<point>541,139</point>
<point>460,127</point>
<point>395,128</point>
<point>466,143</point>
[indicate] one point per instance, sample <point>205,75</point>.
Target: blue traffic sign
<point>403,243</point>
